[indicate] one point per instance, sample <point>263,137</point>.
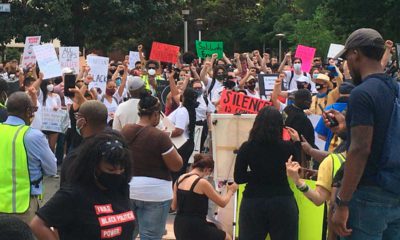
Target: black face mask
<point>111,181</point>
<point>300,85</point>
<point>319,86</point>
<point>251,86</point>
<point>220,77</point>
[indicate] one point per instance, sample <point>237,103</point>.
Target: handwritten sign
<point>99,70</point>
<point>69,58</point>
<point>307,56</point>
<point>234,102</point>
<point>47,59</point>
<point>56,121</point>
<point>28,57</point>
<point>266,83</point>
<point>334,49</point>
<point>207,49</point>
<point>133,58</point>
<point>164,52</point>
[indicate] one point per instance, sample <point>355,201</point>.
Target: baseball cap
<point>134,83</point>
<point>363,37</point>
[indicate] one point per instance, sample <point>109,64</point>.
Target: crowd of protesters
<point>122,175</point>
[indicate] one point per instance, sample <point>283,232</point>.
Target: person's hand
<point>233,187</point>
<point>294,135</point>
<point>89,78</point>
<point>253,72</point>
<point>207,64</point>
<point>236,55</point>
<point>111,115</point>
<point>292,170</point>
<point>246,55</point>
<point>278,82</point>
<point>307,112</point>
<point>32,92</point>
<point>193,68</point>
<point>334,114</point>
<point>41,75</point>
<point>256,53</point>
<point>140,47</point>
<point>388,44</point>
<point>288,55</point>
<point>214,56</point>
<point>120,68</point>
<point>339,221</point>
<point>305,145</point>
<point>266,56</point>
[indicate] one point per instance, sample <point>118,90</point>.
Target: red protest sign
<point>234,102</point>
<point>164,52</point>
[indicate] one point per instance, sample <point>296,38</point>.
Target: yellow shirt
<point>325,173</point>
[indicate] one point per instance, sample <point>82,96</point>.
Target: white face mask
<point>297,66</point>
<point>50,87</point>
<point>152,72</point>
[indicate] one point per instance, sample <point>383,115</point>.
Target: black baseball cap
<point>363,37</point>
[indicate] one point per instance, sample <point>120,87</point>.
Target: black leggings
<point>185,151</point>
<point>277,216</point>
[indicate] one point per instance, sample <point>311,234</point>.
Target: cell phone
<point>332,121</point>
<point>69,82</point>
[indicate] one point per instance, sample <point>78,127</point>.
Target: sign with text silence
<point>207,49</point>
<point>28,57</point>
<point>47,59</point>
<point>306,54</point>
<point>69,58</point>
<point>234,102</point>
<point>334,49</point>
<point>164,52</point>
<point>99,70</point>
<point>133,58</point>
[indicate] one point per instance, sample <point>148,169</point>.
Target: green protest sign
<point>206,49</point>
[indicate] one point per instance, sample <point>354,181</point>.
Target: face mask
<point>111,181</point>
<point>220,77</point>
<point>315,75</point>
<point>152,72</point>
<point>297,67</point>
<point>300,85</point>
<point>50,87</point>
<point>319,86</point>
<point>199,92</point>
<point>251,87</point>
<point>78,129</point>
<point>118,82</point>
<point>181,78</point>
<point>110,91</point>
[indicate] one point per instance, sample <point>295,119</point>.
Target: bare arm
<point>387,54</point>
<point>141,56</point>
<point>38,81</point>
<point>204,71</point>
<point>238,63</point>
<point>41,231</point>
<point>210,192</point>
<point>123,80</point>
<point>177,132</point>
<point>226,59</point>
<point>194,73</point>
<point>250,63</point>
<point>275,94</point>
<point>283,63</point>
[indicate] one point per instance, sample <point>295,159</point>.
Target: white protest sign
<point>266,83</point>
<point>177,141</point>
<point>28,57</point>
<point>133,57</point>
<point>69,58</point>
<point>197,142</point>
<point>56,121</point>
<point>47,59</point>
<point>334,49</point>
<point>99,70</point>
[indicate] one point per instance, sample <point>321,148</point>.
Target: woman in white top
<point>184,119</point>
<point>49,99</point>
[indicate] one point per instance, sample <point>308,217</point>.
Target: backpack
<point>388,176</point>
<point>211,87</point>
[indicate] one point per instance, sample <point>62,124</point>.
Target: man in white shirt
<point>127,112</point>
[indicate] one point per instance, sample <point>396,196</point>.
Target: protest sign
<point>47,59</point>
<point>162,92</point>
<point>266,83</point>
<point>69,58</point>
<point>133,58</point>
<point>234,102</point>
<point>28,57</point>
<point>207,49</point>
<point>56,121</point>
<point>99,70</point>
<point>164,52</point>
<point>307,56</point>
<point>334,49</point>
<point>169,127</point>
<point>197,142</point>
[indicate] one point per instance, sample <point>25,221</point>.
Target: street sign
<point>5,7</point>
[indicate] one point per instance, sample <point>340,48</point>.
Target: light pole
<point>200,27</point>
<point>185,14</point>
<point>280,36</point>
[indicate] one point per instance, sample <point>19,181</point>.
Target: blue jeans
<point>151,218</point>
<point>374,214</point>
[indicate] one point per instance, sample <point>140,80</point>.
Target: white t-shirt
<point>293,83</point>
<point>216,90</point>
<point>37,119</point>
<point>112,106</point>
<point>150,189</point>
<point>203,108</point>
<point>180,118</point>
<point>52,101</point>
<point>256,94</point>
<point>127,112</point>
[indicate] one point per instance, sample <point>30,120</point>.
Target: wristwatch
<point>340,202</point>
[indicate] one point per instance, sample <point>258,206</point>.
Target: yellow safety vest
<point>145,78</point>
<point>337,160</point>
<point>15,185</point>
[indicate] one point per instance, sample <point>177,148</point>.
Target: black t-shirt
<point>89,213</point>
<point>3,114</point>
<point>371,104</point>
<point>298,120</point>
<point>267,175</point>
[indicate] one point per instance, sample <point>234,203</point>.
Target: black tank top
<point>191,203</point>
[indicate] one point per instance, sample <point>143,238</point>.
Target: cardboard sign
<point>164,52</point>
<point>234,102</point>
<point>207,49</point>
<point>307,56</point>
<point>133,58</point>
<point>69,58</point>
<point>99,70</point>
<point>56,121</point>
<point>334,49</point>
<point>47,59</point>
<point>266,83</point>
<point>28,57</point>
